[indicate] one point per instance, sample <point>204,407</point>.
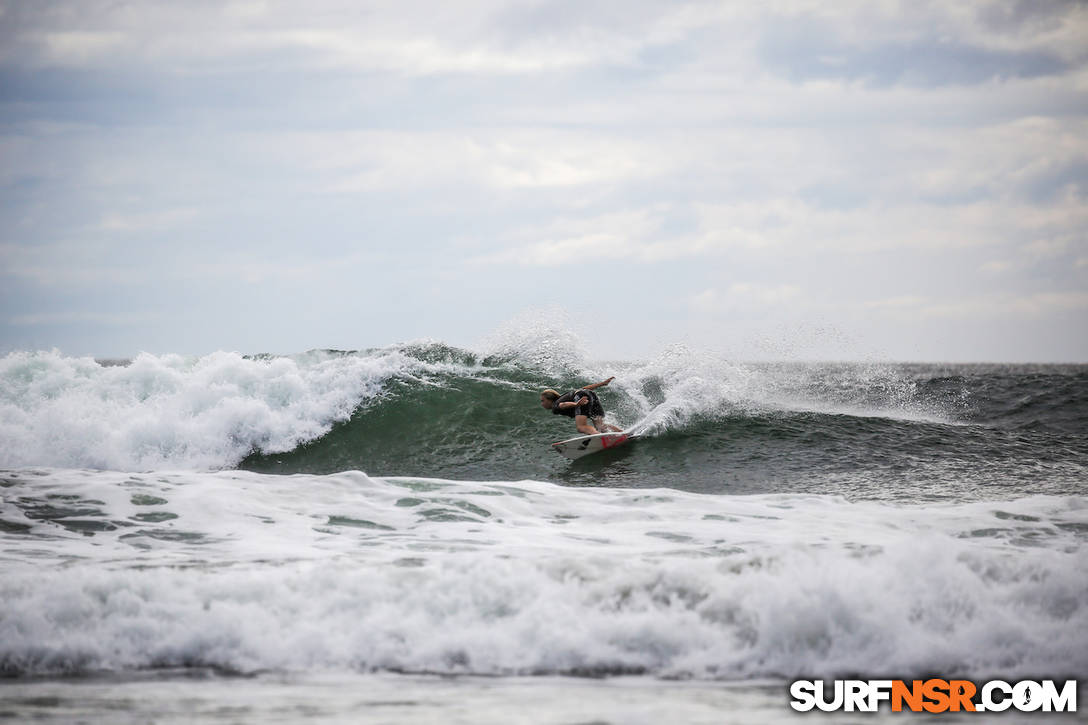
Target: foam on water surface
<point>308,573</point>
<point>398,700</point>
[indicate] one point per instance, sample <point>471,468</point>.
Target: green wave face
<point>704,423</point>
<point>912,431</point>
<point>463,425</point>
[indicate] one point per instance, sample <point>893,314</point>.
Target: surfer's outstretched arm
<point>597,385</point>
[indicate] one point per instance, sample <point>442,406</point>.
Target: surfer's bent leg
<point>596,412</point>
<point>582,421</point>
<point>601,425</point>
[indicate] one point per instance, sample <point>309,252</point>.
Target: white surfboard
<point>584,445</point>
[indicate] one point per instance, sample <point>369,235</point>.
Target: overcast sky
<point>898,180</point>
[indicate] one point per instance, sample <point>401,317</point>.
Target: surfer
<point>582,405</point>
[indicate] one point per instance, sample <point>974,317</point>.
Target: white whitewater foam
<point>171,411</point>
<point>687,384</point>
<point>351,572</point>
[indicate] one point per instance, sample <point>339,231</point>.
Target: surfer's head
<point>548,398</point>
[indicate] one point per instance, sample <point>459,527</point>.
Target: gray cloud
<point>259,177</point>
<point>804,55</point>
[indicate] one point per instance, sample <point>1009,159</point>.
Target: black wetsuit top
<point>592,409</point>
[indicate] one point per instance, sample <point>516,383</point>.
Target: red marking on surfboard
<point>612,441</point>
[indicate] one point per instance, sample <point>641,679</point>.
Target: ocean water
<point>385,536</point>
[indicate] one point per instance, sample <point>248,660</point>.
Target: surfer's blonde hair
<point>550,395</point>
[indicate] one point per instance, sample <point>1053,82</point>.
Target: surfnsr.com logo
<point>933,695</point>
